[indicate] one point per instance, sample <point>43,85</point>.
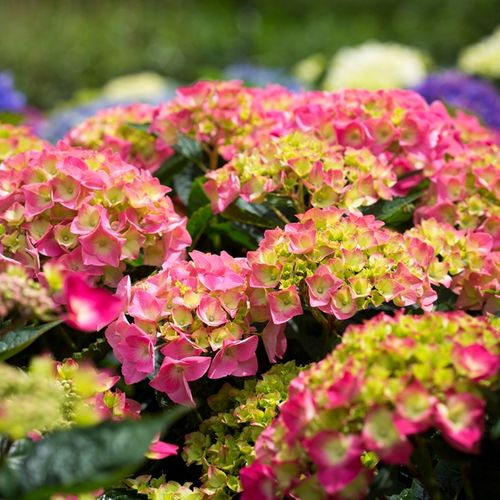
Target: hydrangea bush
<point>374,401</point>
<point>209,246</point>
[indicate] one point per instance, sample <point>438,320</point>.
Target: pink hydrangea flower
<point>89,309</point>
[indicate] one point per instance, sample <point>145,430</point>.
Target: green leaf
<point>394,212</point>
<point>81,459</point>
<point>198,222</point>
<point>122,494</point>
<point>15,341</point>
<point>258,215</point>
<point>187,153</point>
<point>237,233</point>
<point>197,197</point>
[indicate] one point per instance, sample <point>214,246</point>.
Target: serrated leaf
<point>16,340</point>
<point>198,223</point>
<point>81,459</point>
<point>183,182</point>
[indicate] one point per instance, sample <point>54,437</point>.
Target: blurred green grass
<point>56,47</point>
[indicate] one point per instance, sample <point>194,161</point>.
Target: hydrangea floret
<point>15,139</point>
<point>390,381</point>
<point>122,129</point>
<point>87,211</point>
<point>225,441</point>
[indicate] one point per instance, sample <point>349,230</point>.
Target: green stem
<point>281,216</point>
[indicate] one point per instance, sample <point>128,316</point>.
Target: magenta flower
<point>258,482</point>
<point>175,374</point>
<point>476,361</point>
<point>343,390</point>
<point>381,435</point>
<point>461,420</point>
<point>284,305</point>
<point>337,457</point>
<point>89,309</point>
<point>235,358</point>
<point>134,348</point>
<point>159,449</point>
<point>414,409</point>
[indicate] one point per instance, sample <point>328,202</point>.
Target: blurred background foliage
<point>55,47</point>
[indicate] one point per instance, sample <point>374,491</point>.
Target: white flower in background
<point>375,65</point>
<point>482,58</point>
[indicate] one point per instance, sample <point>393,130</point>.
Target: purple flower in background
<point>462,91</point>
<point>10,99</point>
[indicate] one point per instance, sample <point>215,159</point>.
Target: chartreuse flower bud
<point>225,441</point>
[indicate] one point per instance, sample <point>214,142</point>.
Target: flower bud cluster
<point>465,191</point>
<point>159,488</point>
<point>225,441</point>
<point>54,395</point>
<point>298,163</point>
<point>389,380</point>
<point>199,312</point>
<point>225,117</point>
<point>466,262</point>
<point>122,129</point>
<point>340,261</point>
<point>17,139</point>
<point>23,296</point>
<point>88,211</point>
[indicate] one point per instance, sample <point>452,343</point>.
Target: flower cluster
<point>200,312</point>
<point>23,296</point>
<point>372,137</point>
<point>225,117</point>
<point>390,379</point>
<point>341,261</point>
<point>463,91</point>
<point>88,211</point>
<point>225,441</point>
<point>375,65</point>
<point>11,100</point>
<point>465,191</point>
<point>300,163</point>
<point>482,57</point>
<point>17,139</point>
<point>467,262</point>
<point>53,395</point>
<point>121,129</point>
